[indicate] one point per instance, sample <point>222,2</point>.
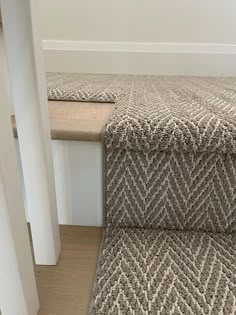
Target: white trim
<point>28,82</point>
<point>79,182</point>
<point>18,291</point>
<point>62,181</point>
<point>140,47</point>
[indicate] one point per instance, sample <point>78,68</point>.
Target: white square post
<point>18,293</point>
<point>28,82</point>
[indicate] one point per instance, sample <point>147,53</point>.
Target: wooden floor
<point>81,121</point>
<point>65,289</point>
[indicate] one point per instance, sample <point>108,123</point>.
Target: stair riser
<point>171,190</point>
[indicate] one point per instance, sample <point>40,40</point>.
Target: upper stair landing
<point>186,114</point>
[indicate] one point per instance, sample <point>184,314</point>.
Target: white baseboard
<point>140,58</point>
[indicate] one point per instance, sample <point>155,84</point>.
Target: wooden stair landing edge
<point>81,121</point>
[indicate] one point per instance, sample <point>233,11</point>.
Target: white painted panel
<point>85,160</point>
<point>62,180</point>
<point>79,182</point>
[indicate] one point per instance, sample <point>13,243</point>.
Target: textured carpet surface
<point>170,164</point>
<point>86,87</point>
<point>171,190</point>
<point>170,144</point>
<point>158,113</point>
<point>165,272</point>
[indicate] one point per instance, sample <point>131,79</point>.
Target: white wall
<point>199,21</point>
<point>186,36</point>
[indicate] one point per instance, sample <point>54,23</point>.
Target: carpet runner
<point>170,192</point>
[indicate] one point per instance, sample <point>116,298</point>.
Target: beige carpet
<point>170,164</point>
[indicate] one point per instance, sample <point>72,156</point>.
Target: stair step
<point>165,272</point>
<point>80,121</point>
<point>170,188</point>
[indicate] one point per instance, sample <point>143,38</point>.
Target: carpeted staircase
<point>170,192</point>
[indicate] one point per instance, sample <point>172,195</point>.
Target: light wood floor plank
<point>65,289</point>
<point>81,121</point>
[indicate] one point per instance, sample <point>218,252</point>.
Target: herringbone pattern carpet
<point>151,272</point>
<point>86,87</point>
<point>171,190</point>
<point>170,170</point>
<point>158,113</point>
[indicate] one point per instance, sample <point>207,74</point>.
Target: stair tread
<point>80,121</point>
<point>144,271</point>
<point>191,114</point>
